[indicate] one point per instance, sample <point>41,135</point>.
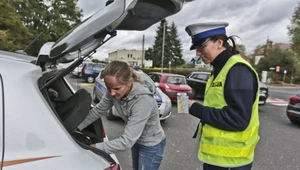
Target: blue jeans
<point>147,157</point>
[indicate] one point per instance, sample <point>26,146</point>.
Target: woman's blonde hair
<point>123,73</point>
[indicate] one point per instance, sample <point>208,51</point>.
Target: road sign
<point>277,69</point>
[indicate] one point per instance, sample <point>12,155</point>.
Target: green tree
<point>241,48</point>
<point>176,50</point>
<point>52,18</point>
<point>294,30</point>
<point>155,52</point>
<point>12,31</point>
<point>277,57</point>
<point>172,47</point>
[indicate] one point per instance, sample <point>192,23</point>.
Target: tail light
<point>83,70</point>
<point>103,132</point>
<point>294,99</point>
<point>113,166</point>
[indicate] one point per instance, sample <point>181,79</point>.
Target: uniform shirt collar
<point>220,61</point>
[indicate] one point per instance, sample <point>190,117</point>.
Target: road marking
<point>277,102</point>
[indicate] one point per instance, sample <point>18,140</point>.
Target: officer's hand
<point>191,102</point>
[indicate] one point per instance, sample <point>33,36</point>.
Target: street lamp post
<point>163,45</point>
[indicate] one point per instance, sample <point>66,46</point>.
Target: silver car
<point>163,101</point>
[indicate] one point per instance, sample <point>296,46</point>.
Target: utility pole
<point>163,45</point>
<point>143,51</point>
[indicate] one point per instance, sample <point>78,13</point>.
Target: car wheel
<point>90,79</point>
<point>294,121</point>
<point>95,98</point>
<point>109,115</point>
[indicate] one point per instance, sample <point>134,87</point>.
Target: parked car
<point>163,101</point>
<point>77,72</point>
<point>197,81</point>
<point>293,109</point>
<point>90,71</point>
<point>41,132</point>
<point>171,84</point>
<point>263,93</point>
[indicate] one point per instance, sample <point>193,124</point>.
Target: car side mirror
<point>156,84</point>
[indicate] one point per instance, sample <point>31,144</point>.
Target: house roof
<point>284,46</point>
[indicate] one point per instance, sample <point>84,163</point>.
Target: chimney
<point>269,44</point>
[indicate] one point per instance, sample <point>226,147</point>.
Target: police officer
<point>229,114</point>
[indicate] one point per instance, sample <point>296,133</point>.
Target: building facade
<point>132,57</point>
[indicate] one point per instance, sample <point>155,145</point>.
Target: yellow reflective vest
<point>226,148</point>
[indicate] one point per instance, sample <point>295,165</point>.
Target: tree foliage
<point>241,48</point>
<point>52,18</point>
<point>172,47</point>
<point>278,57</point>
<point>12,31</point>
<point>294,30</point>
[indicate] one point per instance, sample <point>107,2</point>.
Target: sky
<point>254,21</point>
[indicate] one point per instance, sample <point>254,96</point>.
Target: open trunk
<point>71,109</point>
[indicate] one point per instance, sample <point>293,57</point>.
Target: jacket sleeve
<point>102,107</point>
<point>239,92</point>
<point>140,113</point>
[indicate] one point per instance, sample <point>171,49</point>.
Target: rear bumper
<point>165,111</point>
<point>173,95</point>
<point>293,113</point>
<point>262,98</point>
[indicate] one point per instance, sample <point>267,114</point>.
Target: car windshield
<point>176,80</point>
<point>98,67</point>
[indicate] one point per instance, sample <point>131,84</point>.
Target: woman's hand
<point>191,102</point>
<point>93,145</point>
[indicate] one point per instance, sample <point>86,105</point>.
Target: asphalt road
<point>283,92</point>
<point>278,148</point>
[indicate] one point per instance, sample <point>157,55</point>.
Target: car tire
<point>294,122</point>
<point>90,79</point>
<point>109,115</point>
<point>95,98</point>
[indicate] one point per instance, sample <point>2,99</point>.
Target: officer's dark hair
<point>226,44</point>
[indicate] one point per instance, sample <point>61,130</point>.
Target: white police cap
<point>201,31</point>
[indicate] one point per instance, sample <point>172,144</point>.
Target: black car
<point>293,109</point>
<point>197,81</point>
<point>263,93</point>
